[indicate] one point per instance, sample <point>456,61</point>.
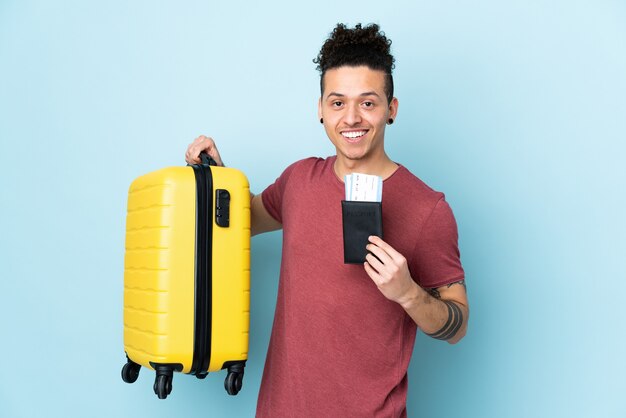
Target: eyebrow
<point>365,94</point>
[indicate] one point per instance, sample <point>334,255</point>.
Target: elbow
<point>459,335</point>
<point>456,338</point>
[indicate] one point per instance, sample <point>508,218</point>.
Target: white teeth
<point>354,134</point>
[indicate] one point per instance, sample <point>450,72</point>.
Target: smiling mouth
<point>353,136</point>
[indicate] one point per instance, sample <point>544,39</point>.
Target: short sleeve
<point>436,257</point>
<point>272,196</point>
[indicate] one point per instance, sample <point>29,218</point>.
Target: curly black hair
<point>366,46</point>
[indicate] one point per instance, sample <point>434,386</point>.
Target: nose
<point>352,116</point>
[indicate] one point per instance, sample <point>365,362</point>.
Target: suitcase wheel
<point>163,386</point>
<point>130,372</point>
<point>234,379</point>
<point>233,383</point>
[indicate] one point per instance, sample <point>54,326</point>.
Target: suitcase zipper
<point>203,276</point>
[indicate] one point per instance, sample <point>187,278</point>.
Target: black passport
<point>360,220</point>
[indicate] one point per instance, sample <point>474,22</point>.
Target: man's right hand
<point>202,143</point>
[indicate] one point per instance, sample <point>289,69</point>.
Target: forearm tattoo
<point>452,325</point>
<point>435,293</point>
<point>455,316</point>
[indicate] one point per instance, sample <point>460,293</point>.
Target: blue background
<point>516,110</point>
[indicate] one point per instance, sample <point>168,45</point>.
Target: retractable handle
<point>206,159</point>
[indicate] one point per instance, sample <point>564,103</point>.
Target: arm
<point>442,314</point>
<point>260,220</point>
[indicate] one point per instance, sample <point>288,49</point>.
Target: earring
<point>322,120</point>
<point>390,121</point>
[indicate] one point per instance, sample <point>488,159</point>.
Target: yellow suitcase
<point>187,274</point>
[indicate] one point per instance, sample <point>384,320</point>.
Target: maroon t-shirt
<point>338,347</point>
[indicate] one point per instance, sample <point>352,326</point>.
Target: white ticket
<point>363,187</point>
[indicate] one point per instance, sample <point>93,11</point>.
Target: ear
<point>393,108</point>
<point>319,108</point>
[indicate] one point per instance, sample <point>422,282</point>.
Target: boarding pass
<point>363,187</point>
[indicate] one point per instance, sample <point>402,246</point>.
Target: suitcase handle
<point>206,159</point>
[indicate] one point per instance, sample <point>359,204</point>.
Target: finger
<point>375,263</point>
<point>393,254</point>
<point>211,149</point>
<point>207,143</point>
<point>192,157</point>
<point>188,157</point>
<point>199,143</point>
<point>379,253</point>
<point>196,150</point>
<point>188,153</point>
<point>203,138</point>
<point>372,273</point>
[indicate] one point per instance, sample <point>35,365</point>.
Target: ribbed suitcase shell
<point>159,269</point>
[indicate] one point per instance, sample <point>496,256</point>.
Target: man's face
<point>355,111</point>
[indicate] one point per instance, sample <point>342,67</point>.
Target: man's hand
<point>202,143</point>
<point>442,316</point>
<point>389,271</point>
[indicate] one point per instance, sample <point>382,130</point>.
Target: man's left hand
<point>389,271</point>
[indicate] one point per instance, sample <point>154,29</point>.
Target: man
<point>343,334</point>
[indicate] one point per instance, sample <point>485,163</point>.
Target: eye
<point>368,104</point>
<point>336,103</point>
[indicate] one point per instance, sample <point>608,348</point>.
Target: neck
<point>382,166</point>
